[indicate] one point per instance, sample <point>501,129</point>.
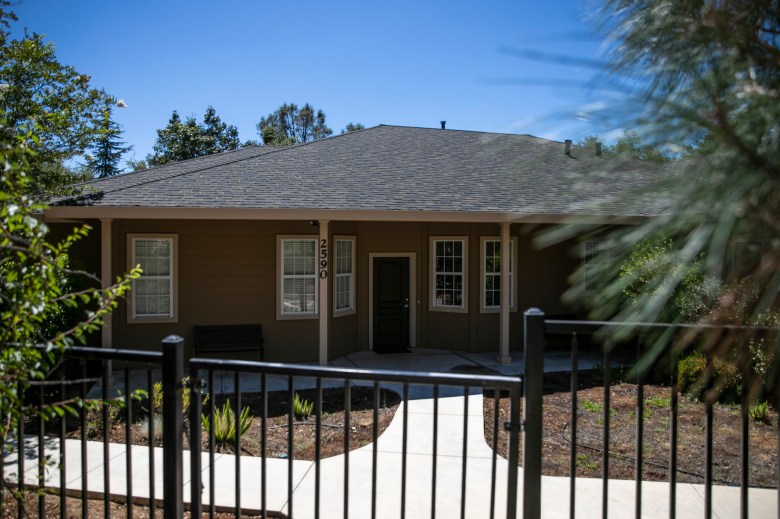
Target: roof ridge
<point>434,129</point>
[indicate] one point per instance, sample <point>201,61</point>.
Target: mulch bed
<point>95,508</point>
<point>656,446</point>
<point>304,440</point>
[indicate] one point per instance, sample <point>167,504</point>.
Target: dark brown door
<point>391,304</point>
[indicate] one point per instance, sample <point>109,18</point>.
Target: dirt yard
<point>656,445</point>
<point>332,439</point>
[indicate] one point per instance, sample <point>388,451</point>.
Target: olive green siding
<point>227,274</point>
<point>84,255</point>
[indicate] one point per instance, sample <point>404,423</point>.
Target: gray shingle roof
<point>395,168</point>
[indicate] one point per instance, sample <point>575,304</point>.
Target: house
<point>389,237</point>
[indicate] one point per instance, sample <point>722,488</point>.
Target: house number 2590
<point>323,259</point>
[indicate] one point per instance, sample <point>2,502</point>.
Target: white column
<point>503,356</point>
<point>324,255</point>
<point>105,275</point>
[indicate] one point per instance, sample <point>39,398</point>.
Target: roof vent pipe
<point>598,149</point>
<point>567,147</point>
<point>443,124</point>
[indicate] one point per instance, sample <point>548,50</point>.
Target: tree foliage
<point>43,308</point>
<point>37,90</point>
<point>107,148</point>
<point>188,139</point>
<point>630,145</point>
<point>352,127</point>
<point>705,74</point>
<point>292,125</point>
<point>650,261</point>
<point>137,165</point>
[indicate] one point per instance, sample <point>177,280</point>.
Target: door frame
<point>412,293</point>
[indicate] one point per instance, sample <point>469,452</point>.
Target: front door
<point>391,304</point>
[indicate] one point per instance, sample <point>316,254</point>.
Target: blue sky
<point>407,63</point>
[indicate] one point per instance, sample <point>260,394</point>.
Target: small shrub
<point>143,426</point>
<point>95,418</point>
<point>691,378</point>
<point>302,408</point>
<point>759,412</point>
<point>157,398</point>
<point>225,423</point>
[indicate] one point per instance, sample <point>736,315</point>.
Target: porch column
<point>105,275</point>
<point>324,255</point>
<point>503,356</point>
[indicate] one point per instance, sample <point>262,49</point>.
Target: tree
<point>181,140</point>
<point>291,125</point>
<point>628,145</point>
<point>137,165</point>
<point>218,135</point>
<point>36,89</point>
<point>705,74</point>
<point>107,148</point>
<point>352,127</point>
<point>42,312</point>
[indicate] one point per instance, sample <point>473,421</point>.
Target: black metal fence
<point>538,330</point>
<point>73,379</point>
<point>207,378</point>
<point>141,370</point>
<point>345,380</point>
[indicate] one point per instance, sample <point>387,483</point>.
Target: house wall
<point>84,256</point>
<point>227,274</point>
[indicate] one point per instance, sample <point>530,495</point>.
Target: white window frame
<point>173,314</point>
<point>280,313</point>
<point>483,241</point>
<point>351,308</point>
<point>433,305</point>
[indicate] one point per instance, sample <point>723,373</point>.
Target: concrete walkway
<point>449,467</point>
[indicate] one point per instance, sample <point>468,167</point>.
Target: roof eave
<point>61,213</point>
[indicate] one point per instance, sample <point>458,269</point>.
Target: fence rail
<point>202,373</point>
<point>538,328</point>
<point>141,370</point>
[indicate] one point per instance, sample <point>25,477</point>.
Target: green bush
<point>692,382</point>
<point>649,269</point>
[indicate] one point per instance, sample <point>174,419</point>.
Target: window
<point>448,272</point>
<point>491,273</point>
<point>344,280</point>
<point>298,279</point>
<point>153,294</point>
<point>592,257</point>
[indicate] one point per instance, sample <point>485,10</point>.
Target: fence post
<point>532,413</point>
<point>196,404</point>
<point>172,374</point>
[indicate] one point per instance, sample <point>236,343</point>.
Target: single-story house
<point>385,238</point>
